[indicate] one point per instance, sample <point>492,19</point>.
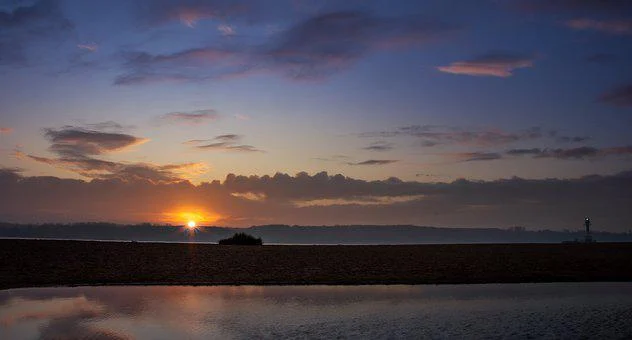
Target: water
<point>559,310</point>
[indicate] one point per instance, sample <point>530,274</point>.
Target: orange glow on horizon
<point>190,217</point>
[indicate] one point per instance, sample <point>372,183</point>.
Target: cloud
<point>191,65</point>
<point>242,117</point>
<point>323,199</point>
<point>5,130</point>
<point>108,126</point>
<point>228,137</point>
<point>90,47</point>
<point>375,162</point>
<point>379,146</point>
<point>77,147</point>
<point>312,49</point>
<point>607,26</point>
<point>190,12</point>
<point>72,141</point>
<point>100,169</point>
<point>573,139</point>
<point>228,142</point>
<point>22,25</point>
<point>584,152</point>
<point>42,12</point>
<point>523,152</point>
<point>343,159</point>
<point>620,96</point>
<point>189,118</point>
<point>559,138</point>
<point>493,65</point>
<point>358,201</point>
<point>226,30</point>
<point>478,156</point>
<point>576,5</point>
<point>329,42</point>
<point>141,78</point>
<point>434,135</point>
<point>228,147</point>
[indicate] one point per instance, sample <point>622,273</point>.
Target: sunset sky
<point>434,112</point>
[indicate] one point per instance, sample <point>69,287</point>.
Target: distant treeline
<point>355,234</point>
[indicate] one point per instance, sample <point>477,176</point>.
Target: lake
<point>555,310</point>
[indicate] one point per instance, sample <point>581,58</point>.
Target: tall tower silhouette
<point>587,223</point>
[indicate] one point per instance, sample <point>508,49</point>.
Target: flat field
<point>27,263</point>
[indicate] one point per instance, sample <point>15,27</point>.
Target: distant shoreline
<point>294,235</point>
<point>287,244</point>
<point>46,263</point>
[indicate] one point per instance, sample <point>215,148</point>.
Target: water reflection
<point>168,312</point>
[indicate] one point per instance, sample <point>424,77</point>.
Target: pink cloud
<point>91,47</point>
<point>226,30</point>
<point>190,16</point>
<point>491,65</point>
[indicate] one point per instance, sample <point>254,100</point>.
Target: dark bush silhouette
<point>242,239</point>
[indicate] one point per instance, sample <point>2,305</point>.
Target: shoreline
<point>55,263</point>
<point>280,284</point>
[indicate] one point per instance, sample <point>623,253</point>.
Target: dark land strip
<point>29,263</point>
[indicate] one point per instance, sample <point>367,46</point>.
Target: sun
<point>191,224</point>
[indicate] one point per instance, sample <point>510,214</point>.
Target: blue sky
<point>425,91</point>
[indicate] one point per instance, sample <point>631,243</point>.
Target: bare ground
<point>27,263</point>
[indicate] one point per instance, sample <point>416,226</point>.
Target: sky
<point>438,112</point>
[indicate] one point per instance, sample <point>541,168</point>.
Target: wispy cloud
<point>226,30</point>
<point>5,130</point>
<point>225,146</point>
<point>478,156</point>
<point>358,201</point>
<point>90,47</point>
<point>379,146</point>
<point>189,118</point>
<point>572,139</point>
<point>333,41</point>
<point>228,143</point>
<point>343,159</point>
<point>108,126</point>
<point>100,169</point>
<point>190,12</point>
<point>558,137</point>
<point>607,26</point>
<point>619,96</point>
<point>584,152</point>
<point>375,162</point>
<point>576,5</point>
<point>434,135</point>
<point>228,137</point>
<point>78,142</point>
<point>191,65</point>
<point>22,25</point>
<point>491,65</point>
<point>77,148</point>
<point>242,116</point>
<point>313,49</point>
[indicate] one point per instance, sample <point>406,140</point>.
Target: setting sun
<point>190,216</point>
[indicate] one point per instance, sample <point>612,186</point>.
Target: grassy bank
<point>25,263</point>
